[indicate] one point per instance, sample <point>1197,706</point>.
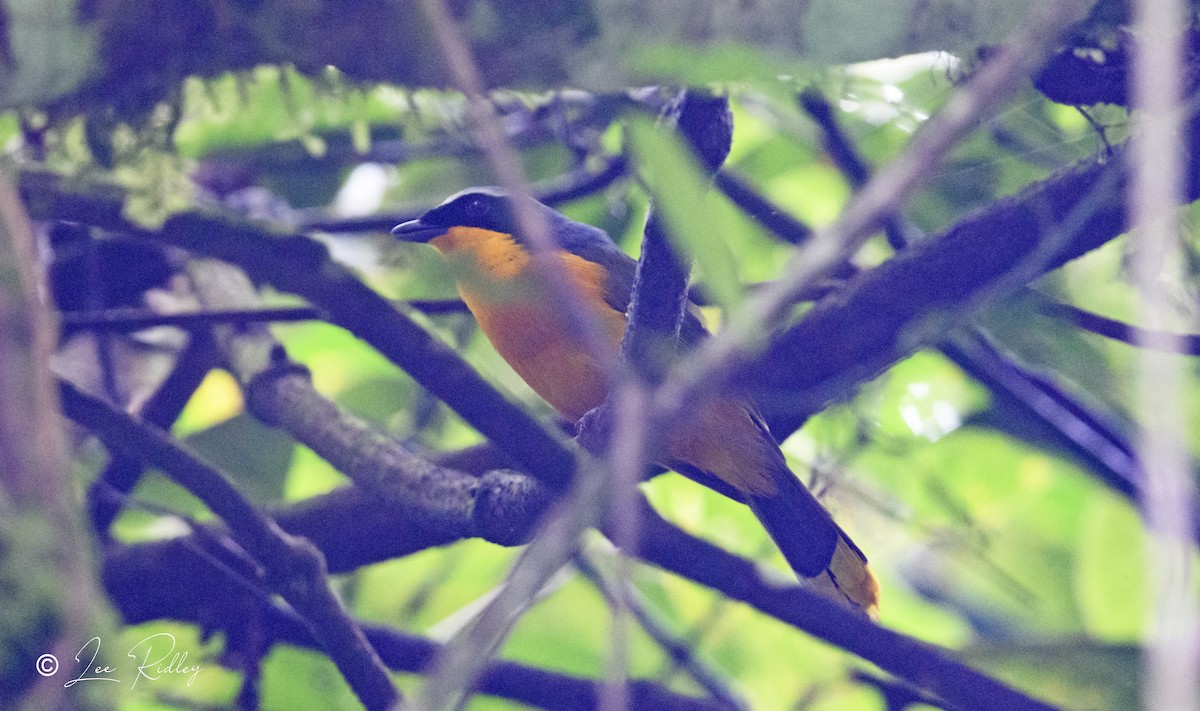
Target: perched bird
<point>726,438</point>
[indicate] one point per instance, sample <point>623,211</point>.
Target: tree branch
<point>346,522</point>
<point>295,569</point>
<point>889,312</point>
<point>681,652</point>
<point>183,582</point>
<point>501,507</point>
<point>728,356</point>
<point>1181,343</point>
<point>302,266</point>
<point>107,494</point>
<point>1069,422</point>
<point>129,320</point>
<point>921,664</point>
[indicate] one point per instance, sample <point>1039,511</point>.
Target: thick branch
<point>280,393</point>
<point>355,528</point>
<point>657,305</point>
<point>731,354</point>
<point>912,300</point>
<point>1067,421</point>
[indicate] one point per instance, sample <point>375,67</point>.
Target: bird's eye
<point>477,208</point>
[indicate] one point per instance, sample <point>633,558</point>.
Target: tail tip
<point>852,577</point>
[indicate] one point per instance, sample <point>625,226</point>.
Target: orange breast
<point>532,336</point>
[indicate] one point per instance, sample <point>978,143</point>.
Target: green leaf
<point>696,222</point>
<point>295,678</point>
<point>1110,570</point>
<point>257,457</point>
<point>1078,674</point>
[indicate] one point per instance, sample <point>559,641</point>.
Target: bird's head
<point>478,208</point>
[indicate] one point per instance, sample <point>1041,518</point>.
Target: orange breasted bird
<point>726,438</point>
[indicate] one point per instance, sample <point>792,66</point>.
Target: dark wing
<point>618,287</point>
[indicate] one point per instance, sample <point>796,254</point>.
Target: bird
<point>726,438</point>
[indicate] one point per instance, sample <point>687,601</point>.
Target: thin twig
<point>1137,336</point>
<point>572,186</point>
<point>628,453</point>
<point>845,156</point>
<point>129,320</point>
<point>656,311</point>
<point>454,672</point>
<point>680,650</point>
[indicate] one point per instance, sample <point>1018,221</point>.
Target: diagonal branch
<point>680,650</point>
<point>912,300</point>
<point>294,568</point>
<point>442,502</point>
<point>106,495</point>
<point>148,582</point>
<point>1070,422</point>
<point>920,663</point>
<point>663,544</point>
<point>732,349</point>
<point>1181,343</point>
<point>344,524</point>
<point>303,266</point>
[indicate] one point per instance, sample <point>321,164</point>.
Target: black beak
<point>417,231</point>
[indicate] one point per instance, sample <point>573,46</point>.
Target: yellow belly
<point>722,440</point>
<point>540,348</point>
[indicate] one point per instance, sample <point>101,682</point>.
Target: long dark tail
<point>815,547</point>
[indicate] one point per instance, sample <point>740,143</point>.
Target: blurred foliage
<point>983,540</point>
<point>45,50</point>
<point>134,53</point>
